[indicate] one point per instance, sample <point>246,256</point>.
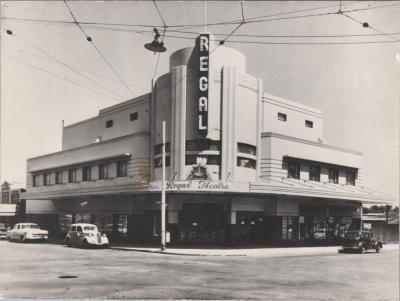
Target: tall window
<point>72,175</point>
<point>121,168</point>
<point>134,116</point>
<point>46,178</point>
<point>103,171</point>
<point>333,176</point>
<point>293,170</point>
<point>282,117</point>
<point>158,162</point>
<point>350,178</point>
<point>59,177</point>
<point>35,180</point>
<point>315,173</point>
<point>87,173</point>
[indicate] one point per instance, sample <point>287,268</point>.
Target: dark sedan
<point>360,241</point>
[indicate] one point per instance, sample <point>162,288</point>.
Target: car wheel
<point>22,238</point>
<point>85,244</point>
<point>362,250</point>
<point>68,242</point>
<point>378,249</point>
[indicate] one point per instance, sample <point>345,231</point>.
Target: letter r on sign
<point>203,43</point>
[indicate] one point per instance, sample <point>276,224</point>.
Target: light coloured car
<point>85,235</point>
<point>26,232</point>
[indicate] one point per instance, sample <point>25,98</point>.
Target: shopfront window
<point>289,227</point>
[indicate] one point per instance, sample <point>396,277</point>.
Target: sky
<point>357,86</point>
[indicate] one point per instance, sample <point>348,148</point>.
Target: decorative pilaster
<point>228,137</point>
<point>178,124</point>
<point>260,118</point>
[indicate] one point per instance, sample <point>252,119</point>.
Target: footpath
<point>254,252</point>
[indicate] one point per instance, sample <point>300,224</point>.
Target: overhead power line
<point>367,25</point>
<point>58,76</point>
<point>75,67</point>
<point>182,26</point>
<point>89,39</point>
<point>195,33</point>
<point>56,60</point>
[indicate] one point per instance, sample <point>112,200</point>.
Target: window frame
<point>103,171</point>
<point>352,180</point>
<point>72,175</point>
<point>109,123</point>
<point>134,116</point>
<point>46,179</point>
<point>282,117</point>
<point>35,181</point>
<point>58,177</point>
<point>333,172</point>
<point>315,168</point>
<point>309,124</point>
<point>122,168</point>
<point>296,170</point>
<point>86,173</point>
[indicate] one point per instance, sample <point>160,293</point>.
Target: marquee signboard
<point>204,52</point>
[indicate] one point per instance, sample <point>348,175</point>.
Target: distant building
<point>11,206</point>
<point>243,166</point>
<point>385,228</point>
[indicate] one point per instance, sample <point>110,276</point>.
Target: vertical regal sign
<point>204,51</point>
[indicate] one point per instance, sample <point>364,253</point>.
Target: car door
<point>15,231</point>
<point>79,234</point>
<point>72,234</point>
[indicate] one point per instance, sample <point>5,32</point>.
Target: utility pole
<point>163,190</point>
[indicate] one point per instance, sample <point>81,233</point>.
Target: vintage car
<point>27,232</point>
<point>86,235</point>
<point>3,231</point>
<point>360,241</point>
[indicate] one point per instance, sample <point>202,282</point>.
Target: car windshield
<point>32,226</point>
<point>90,228</point>
<point>352,234</point>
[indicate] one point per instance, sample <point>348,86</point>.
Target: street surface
<point>34,271</point>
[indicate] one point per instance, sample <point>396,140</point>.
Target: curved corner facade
<point>242,166</point>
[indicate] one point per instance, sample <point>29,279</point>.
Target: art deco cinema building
<point>242,166</point>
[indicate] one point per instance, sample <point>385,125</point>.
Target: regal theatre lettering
<point>196,185</point>
<point>204,44</point>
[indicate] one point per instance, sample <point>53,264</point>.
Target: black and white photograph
<point>199,150</point>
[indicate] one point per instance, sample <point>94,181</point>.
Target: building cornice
<point>309,142</point>
<point>95,144</point>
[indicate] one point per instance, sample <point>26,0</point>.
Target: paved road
<point>34,270</point>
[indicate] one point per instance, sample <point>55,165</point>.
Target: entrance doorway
<point>202,223</point>
<point>251,227</point>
